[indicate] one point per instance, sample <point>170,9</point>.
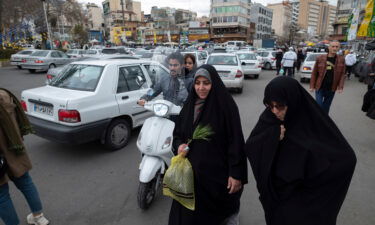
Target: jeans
<point>288,70</point>
<point>26,186</point>
<point>324,99</point>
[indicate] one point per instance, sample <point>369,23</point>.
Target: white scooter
<point>155,143</point>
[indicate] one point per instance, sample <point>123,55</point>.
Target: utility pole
<point>123,18</point>
<point>48,30</point>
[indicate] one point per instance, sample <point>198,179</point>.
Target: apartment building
<point>262,17</point>
<point>283,11</point>
<point>230,20</point>
<point>95,16</point>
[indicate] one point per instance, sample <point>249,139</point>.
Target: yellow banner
<point>362,31</point>
<point>155,41</point>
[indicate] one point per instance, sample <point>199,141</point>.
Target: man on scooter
<point>176,87</point>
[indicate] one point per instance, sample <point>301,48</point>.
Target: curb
<point>4,64</point>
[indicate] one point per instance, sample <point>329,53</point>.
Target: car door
<point>129,91</point>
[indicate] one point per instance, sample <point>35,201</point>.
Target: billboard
<point>197,24</point>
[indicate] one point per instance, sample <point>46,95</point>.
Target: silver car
<point>16,59</point>
<point>45,59</point>
<point>308,66</point>
<point>76,53</point>
<point>268,59</point>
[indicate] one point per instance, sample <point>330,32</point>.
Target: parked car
<point>250,64</point>
<point>92,52</point>
<point>92,100</point>
<point>44,60</point>
<point>53,72</point>
<point>308,66</point>
<point>268,58</point>
<point>76,53</point>
<point>229,68</point>
<point>16,59</point>
<point>113,50</point>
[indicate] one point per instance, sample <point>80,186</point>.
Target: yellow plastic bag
<point>178,182</point>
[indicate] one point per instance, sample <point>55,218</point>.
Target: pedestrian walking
<point>279,57</point>
<point>13,126</point>
<point>219,163</point>
<point>328,76</point>
<point>300,58</point>
<point>288,61</point>
<point>302,163</point>
<point>350,60</point>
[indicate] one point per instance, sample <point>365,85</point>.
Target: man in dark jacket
<point>279,57</point>
<point>328,76</point>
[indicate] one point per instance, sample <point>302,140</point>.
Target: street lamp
<point>48,30</point>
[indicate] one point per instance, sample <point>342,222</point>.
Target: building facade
<point>316,17</point>
<point>230,20</point>
<point>95,16</point>
<point>262,16</point>
<point>283,11</point>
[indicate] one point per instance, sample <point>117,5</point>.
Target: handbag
<point>3,166</point>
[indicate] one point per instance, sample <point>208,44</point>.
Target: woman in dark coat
<point>219,165</point>
<point>302,163</point>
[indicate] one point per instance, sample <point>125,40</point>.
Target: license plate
<point>47,110</point>
<point>223,74</point>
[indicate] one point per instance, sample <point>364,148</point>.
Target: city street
<point>88,184</point>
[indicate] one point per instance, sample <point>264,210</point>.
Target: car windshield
<point>312,57</point>
<point>40,53</point>
<point>247,56</point>
<point>222,60</point>
<point>78,77</point>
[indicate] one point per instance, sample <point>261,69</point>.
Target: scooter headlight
<point>161,109</point>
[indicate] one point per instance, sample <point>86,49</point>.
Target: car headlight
<point>161,109</point>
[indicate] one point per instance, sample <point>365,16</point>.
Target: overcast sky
<point>202,7</point>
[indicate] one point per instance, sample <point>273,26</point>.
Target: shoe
<point>37,220</point>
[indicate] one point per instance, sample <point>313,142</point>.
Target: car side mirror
<point>243,63</point>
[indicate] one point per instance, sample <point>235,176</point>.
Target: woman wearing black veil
<point>302,163</point>
<point>219,164</point>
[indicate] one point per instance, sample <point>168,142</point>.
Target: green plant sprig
<point>201,133</point>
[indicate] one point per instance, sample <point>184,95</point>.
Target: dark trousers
<point>278,67</point>
<point>349,70</point>
<point>288,70</point>
<point>324,99</point>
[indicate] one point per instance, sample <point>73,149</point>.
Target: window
<point>156,72</point>
<point>55,55</point>
<point>128,79</point>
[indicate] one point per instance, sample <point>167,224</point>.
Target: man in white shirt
<point>288,61</point>
<point>350,60</point>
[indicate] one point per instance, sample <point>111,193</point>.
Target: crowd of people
<point>300,160</point>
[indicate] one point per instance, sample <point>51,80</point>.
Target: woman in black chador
<point>219,164</point>
<point>302,163</point>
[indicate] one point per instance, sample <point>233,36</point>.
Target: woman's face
<point>189,64</point>
<point>202,87</point>
<point>278,109</point>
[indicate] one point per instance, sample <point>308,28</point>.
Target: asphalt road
<point>86,184</point>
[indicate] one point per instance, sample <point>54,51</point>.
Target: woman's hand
<point>182,150</point>
<point>234,185</point>
<point>282,132</point>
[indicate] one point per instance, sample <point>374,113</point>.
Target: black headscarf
<point>215,160</point>
<point>304,178</point>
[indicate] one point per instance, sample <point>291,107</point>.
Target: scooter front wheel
<point>147,191</point>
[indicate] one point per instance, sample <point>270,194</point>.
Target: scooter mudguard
<point>148,168</point>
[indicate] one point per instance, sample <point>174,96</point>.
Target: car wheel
<point>256,76</point>
<point>19,67</point>
<point>267,66</point>
<point>52,66</point>
<point>32,70</point>
<point>117,134</point>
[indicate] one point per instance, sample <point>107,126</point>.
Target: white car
<point>308,66</point>
<point>92,100</point>
<point>250,64</point>
<point>92,52</point>
<point>229,68</point>
<point>268,58</point>
<point>16,59</point>
<point>76,53</point>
